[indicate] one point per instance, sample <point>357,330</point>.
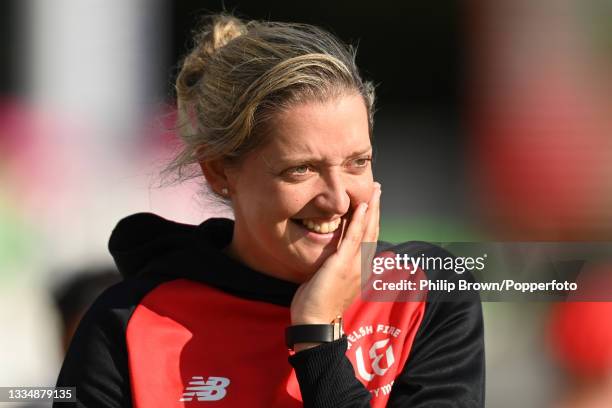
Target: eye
<point>361,162</point>
<point>300,169</point>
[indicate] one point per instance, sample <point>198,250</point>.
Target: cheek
<point>271,203</point>
<point>291,199</point>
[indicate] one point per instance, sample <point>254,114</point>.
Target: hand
<point>332,289</point>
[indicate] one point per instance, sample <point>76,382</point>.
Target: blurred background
<point>494,122</point>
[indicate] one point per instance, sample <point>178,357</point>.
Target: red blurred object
<point>540,121</point>
<point>542,163</point>
<point>580,333</point>
<point>581,337</point>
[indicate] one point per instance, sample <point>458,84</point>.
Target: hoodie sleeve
<point>96,362</point>
<point>327,378</point>
<point>446,366</point>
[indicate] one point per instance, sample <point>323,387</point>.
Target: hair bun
<point>219,30</point>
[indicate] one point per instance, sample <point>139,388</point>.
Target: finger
<point>377,229</point>
<point>371,231</point>
<point>354,233</point>
<point>373,216</point>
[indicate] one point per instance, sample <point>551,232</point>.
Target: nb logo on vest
<point>378,351</point>
<point>212,389</point>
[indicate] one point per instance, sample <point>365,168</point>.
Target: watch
<point>314,333</point>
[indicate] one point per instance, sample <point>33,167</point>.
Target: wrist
<point>300,318</point>
<point>309,320</point>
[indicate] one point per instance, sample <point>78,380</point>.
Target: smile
<point>322,227</point>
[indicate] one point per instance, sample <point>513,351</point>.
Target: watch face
<point>338,330</point>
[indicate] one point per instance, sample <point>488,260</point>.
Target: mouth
<point>320,226</point>
<point>319,231</point>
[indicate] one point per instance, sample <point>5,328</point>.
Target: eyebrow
<point>308,158</point>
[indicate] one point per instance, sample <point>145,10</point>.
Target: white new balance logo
<point>211,390</point>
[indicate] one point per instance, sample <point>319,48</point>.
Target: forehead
<point>336,127</point>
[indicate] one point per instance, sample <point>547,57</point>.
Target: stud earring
<point>224,191</point>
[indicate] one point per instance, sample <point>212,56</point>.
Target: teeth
<point>322,228</point>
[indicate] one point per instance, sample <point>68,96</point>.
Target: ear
<point>216,173</point>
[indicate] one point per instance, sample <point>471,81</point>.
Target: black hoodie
<point>444,368</point>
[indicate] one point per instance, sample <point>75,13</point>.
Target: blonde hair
<point>240,74</point>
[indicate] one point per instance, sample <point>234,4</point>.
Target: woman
<point>280,122</point>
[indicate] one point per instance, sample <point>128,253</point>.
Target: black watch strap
<point>314,333</point>
<point>309,333</point>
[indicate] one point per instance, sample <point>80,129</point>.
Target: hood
<point>142,240</point>
<point>145,244</point>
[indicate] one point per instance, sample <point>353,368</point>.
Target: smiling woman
<point>278,120</point>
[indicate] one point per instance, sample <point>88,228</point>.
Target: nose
<point>334,196</point>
